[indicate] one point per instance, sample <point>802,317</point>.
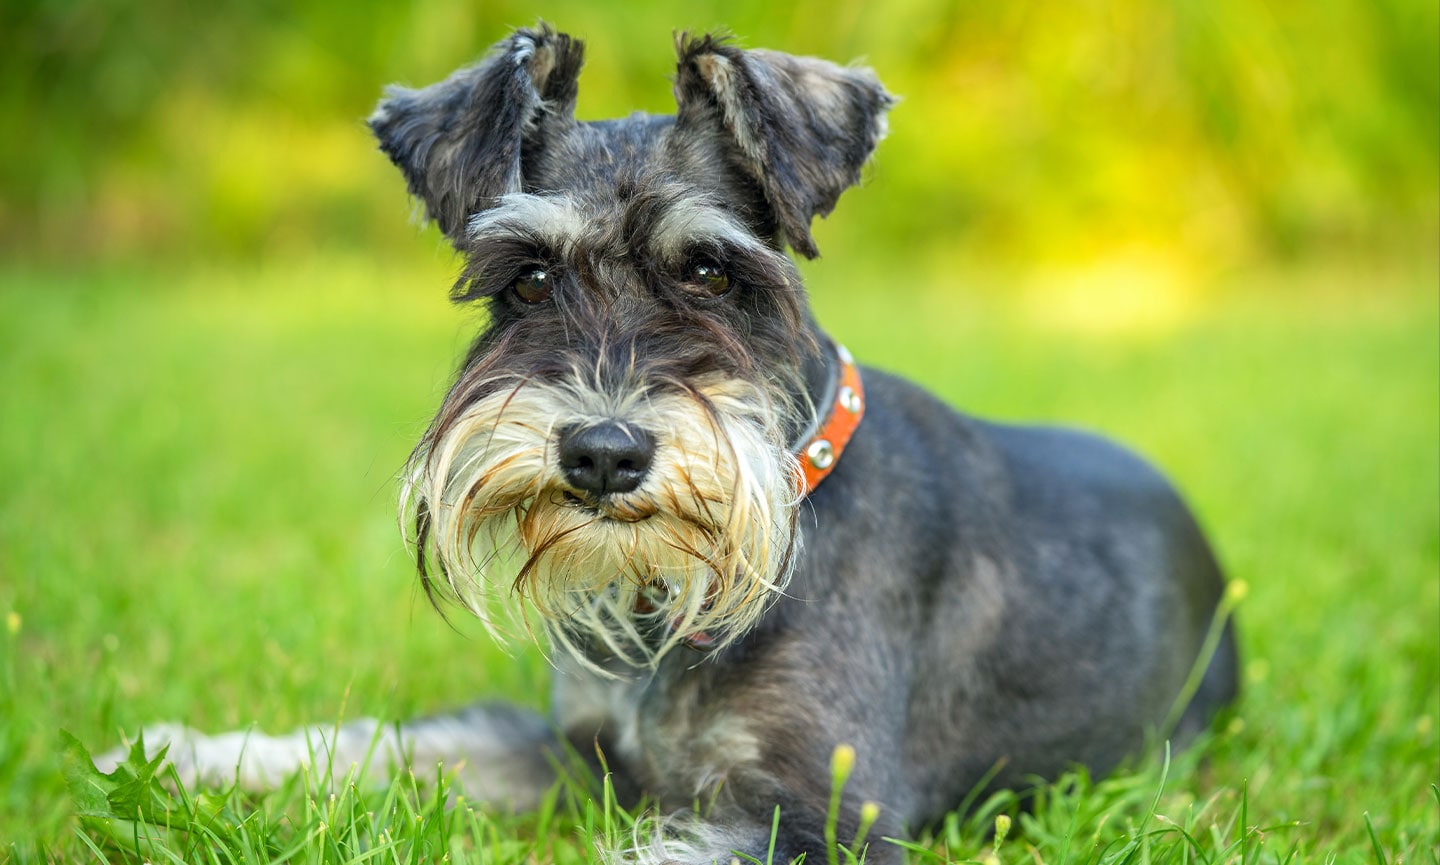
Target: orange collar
<point>822,451</point>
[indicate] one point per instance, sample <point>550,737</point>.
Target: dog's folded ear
<point>802,128</point>
<point>459,142</point>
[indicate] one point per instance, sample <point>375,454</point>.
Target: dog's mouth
<point>620,509</point>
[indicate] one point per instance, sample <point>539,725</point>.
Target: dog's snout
<point>607,457</point>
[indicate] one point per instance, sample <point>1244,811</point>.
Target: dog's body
<point>623,447</point>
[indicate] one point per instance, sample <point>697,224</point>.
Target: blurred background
<point>1164,142</point>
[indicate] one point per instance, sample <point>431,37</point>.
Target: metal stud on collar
<point>821,454</point>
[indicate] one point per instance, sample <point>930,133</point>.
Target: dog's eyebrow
<point>675,226</point>
<point>554,219</point>
<point>690,222</point>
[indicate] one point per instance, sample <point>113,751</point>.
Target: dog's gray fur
<point>963,598</point>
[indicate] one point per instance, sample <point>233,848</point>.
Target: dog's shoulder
<point>1050,464</point>
<point>1042,470</point>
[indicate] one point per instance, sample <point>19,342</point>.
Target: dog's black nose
<point>607,457</point>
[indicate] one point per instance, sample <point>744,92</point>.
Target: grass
<point>196,522</point>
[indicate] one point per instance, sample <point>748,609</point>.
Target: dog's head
<point>617,447</point>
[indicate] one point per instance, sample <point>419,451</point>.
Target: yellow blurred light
<point>1128,292</point>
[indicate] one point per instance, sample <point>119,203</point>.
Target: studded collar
<point>821,451</point>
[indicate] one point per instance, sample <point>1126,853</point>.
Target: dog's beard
<point>697,551</point>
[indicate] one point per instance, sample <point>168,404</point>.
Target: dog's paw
<point>683,839</point>
<point>253,759</point>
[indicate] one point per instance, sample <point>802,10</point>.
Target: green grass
<point>197,477</point>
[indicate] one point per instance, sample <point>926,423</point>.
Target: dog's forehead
<point>612,186</point>
<point>607,163</point>
<point>625,143</point>
<point>589,159</point>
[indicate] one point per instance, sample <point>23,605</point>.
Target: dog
<point>743,549</point>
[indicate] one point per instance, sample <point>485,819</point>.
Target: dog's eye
<point>707,279</point>
<point>533,286</point>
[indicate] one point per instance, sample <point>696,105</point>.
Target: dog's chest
<point>676,744</point>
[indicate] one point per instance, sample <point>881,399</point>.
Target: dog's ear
<point>459,142</point>
<point>802,128</point>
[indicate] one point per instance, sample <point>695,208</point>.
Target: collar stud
<point>821,454</point>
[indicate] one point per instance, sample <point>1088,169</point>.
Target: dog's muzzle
<point>585,501</point>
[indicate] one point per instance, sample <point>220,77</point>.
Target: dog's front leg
<point>742,824</point>
<point>721,749</point>
<point>499,754</point>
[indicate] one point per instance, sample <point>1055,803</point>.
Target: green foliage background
<point>1202,133</point>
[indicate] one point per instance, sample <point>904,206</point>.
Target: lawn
<point>197,522</point>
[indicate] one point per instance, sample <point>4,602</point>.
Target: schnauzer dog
<point>742,549</point>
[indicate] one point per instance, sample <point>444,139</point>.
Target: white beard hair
<point>711,526</point>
